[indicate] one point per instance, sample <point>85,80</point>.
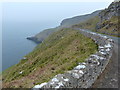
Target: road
<point>109,78</point>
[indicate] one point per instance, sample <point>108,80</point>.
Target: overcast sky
<point>57,0</point>
<point>38,11</point>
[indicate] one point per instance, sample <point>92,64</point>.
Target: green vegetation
<point>88,24</point>
<point>44,34</point>
<point>60,52</point>
<point>109,27</point>
<point>65,23</point>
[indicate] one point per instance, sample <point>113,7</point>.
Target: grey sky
<point>35,12</point>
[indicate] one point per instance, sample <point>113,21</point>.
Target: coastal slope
<point>61,48</point>
<point>64,24</point>
<point>102,21</point>
<point>60,52</point>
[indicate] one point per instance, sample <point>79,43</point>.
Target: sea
<point>14,43</point>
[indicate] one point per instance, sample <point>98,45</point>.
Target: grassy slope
<point>58,53</point>
<point>44,34</point>
<point>109,27</point>
<point>65,23</point>
<point>88,24</point>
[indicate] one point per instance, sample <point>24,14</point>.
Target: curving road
<point>109,78</point>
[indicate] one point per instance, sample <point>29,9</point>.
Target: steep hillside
<point>88,24</point>
<point>65,23</point>
<point>61,48</point>
<point>38,38</point>
<point>60,52</point>
<point>103,21</point>
<point>79,19</point>
<point>107,22</point>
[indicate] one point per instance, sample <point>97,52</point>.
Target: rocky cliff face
<point>111,11</point>
<point>109,19</point>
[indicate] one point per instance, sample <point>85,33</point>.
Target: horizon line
<point>57,1</point>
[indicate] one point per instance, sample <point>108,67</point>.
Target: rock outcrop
<point>111,11</point>
<point>109,19</point>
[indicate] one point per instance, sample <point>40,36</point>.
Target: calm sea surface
<point>15,44</point>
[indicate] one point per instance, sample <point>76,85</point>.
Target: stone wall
<point>85,74</point>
